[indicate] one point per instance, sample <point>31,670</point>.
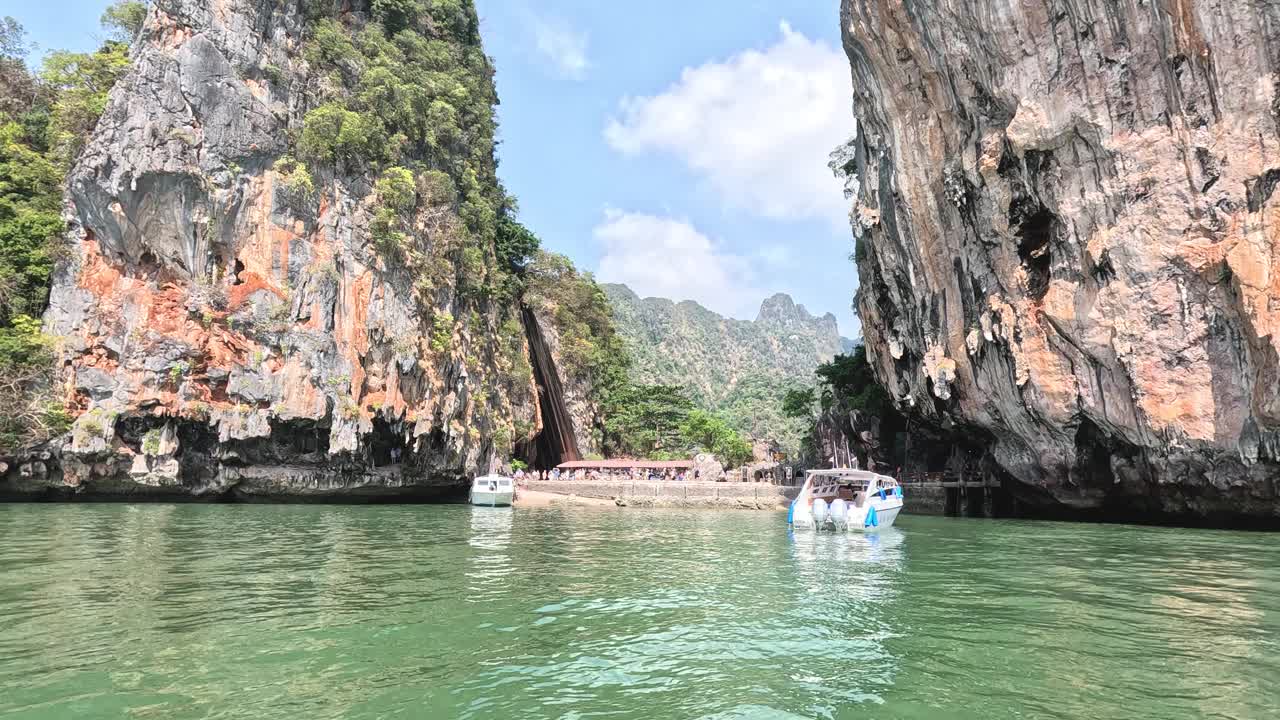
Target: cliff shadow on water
<point>556,442</point>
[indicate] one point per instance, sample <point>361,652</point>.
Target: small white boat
<point>846,500</point>
<point>492,490</point>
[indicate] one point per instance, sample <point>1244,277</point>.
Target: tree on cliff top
<point>124,19</point>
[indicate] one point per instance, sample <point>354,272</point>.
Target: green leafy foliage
<point>651,420</point>
<point>713,434</point>
<point>151,442</point>
<point>397,190</point>
<point>413,88</point>
<point>22,344</point>
<point>331,133</point>
<point>296,178</point>
<point>516,244</point>
<point>123,19</point>
<point>845,384</point>
<point>590,348</point>
<point>397,15</point>
<point>81,82</point>
<point>30,223</point>
<point>646,421</point>
<point>45,119</point>
<point>661,422</point>
<point>441,332</point>
<point>21,94</point>
<point>29,412</point>
<point>798,403</point>
<point>396,193</point>
<point>850,378</point>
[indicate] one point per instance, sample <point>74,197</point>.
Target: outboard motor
<point>840,513</point>
<point>819,512</point>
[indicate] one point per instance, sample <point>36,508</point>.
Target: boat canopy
<point>859,478</point>
<point>484,480</point>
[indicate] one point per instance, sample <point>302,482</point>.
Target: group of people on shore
<point>596,475</point>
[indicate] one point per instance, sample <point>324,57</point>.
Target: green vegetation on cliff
<point>847,380</point>
<point>45,118</point>
<point>406,91</point>
<point>591,352</point>
<point>400,95</point>
<point>845,385</point>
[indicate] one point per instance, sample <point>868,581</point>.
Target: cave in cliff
<point>1035,226</point>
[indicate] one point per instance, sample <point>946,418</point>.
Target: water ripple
<point>365,612</point>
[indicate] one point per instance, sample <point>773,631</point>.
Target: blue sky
<point>679,147</point>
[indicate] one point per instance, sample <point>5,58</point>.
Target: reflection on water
<point>366,612</point>
<point>489,563</point>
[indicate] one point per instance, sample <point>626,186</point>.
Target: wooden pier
<point>939,493</point>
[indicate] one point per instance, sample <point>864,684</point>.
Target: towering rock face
<point>230,327</point>
<point>577,355</point>
<point>1067,240</point>
<point>561,435</point>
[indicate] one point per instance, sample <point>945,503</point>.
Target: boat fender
<point>791,512</point>
<point>872,520</point>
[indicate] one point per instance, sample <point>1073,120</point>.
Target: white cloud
<point>564,47</point>
<point>665,257</point>
<point>758,127</point>
<point>774,255</point>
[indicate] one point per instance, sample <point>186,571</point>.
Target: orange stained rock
<point>373,401</point>
<point>250,283</point>
<point>96,275</point>
<point>1178,401</point>
<point>172,34</point>
<point>350,326</point>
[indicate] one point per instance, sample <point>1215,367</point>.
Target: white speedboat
<point>846,500</point>
<point>492,490</point>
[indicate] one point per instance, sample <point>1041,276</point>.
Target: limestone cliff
<point>232,328</point>
<point>575,323</point>
<point>1067,240</point>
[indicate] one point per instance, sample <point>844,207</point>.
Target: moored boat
<point>846,500</point>
<point>492,490</point>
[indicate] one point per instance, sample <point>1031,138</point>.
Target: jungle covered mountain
<point>740,369</point>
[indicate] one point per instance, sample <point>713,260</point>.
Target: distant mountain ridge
<point>740,368</point>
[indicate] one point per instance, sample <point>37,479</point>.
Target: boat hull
<point>876,504</point>
<point>885,515</point>
<point>485,498</point>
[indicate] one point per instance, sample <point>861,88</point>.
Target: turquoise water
<point>154,611</point>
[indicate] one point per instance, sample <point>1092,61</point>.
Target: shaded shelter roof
<point>627,465</point>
